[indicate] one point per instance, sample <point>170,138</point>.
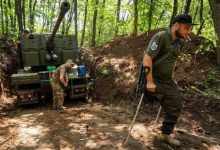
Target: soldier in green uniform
<point>160,58</point>
<point>58,81</point>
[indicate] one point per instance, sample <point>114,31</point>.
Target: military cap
<point>183,18</point>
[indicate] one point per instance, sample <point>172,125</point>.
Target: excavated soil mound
<point>122,57</point>
<point>8,64</point>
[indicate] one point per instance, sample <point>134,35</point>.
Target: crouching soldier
<point>58,81</point>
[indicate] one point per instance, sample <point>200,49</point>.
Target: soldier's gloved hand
<point>151,87</point>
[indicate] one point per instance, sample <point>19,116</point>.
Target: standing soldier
<point>59,81</point>
<point>159,59</point>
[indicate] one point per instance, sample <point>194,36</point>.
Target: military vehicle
<point>41,54</point>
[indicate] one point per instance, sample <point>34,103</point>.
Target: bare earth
<point>98,126</point>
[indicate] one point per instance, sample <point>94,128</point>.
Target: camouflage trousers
<point>58,94</point>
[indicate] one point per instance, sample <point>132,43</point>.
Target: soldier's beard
<point>178,35</point>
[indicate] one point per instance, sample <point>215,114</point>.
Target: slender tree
<point>84,24</point>
<point>6,18</point>
<point>195,15</point>
<point>70,18</point>
<point>2,16</point>
<point>12,24</point>
<point>63,30</point>
<point>75,23</point>
<point>201,11</point>
<point>32,12</point>
<point>101,19</point>
<point>202,22</point>
<point>23,14</point>
<point>175,8</point>
<point>18,12</point>
<point>187,7</point>
<point>51,22</point>
<point>43,18</point>
<point>48,18</point>
<point>150,14</point>
<point>200,28</point>
<point>215,8</point>
<point>15,16</point>
<point>117,16</point>
<point>135,17</point>
<point>93,42</point>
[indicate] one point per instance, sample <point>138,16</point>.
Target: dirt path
<point>95,126</point>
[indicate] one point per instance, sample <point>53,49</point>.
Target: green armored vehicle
<point>41,54</point>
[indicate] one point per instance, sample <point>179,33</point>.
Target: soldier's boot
<point>54,108</point>
<point>168,139</point>
<point>62,109</point>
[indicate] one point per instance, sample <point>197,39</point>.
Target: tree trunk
<point>150,15</point>
<point>18,14</point>
<point>101,20</point>
<point>6,18</point>
<point>30,14</point>
<point>69,22</point>
<point>135,17</point>
<point>15,16</point>
<point>23,13</point>
<point>201,12</point>
<point>11,16</point>
<point>200,28</point>
<point>93,42</point>
<point>84,24</point>
<point>63,30</point>
<point>47,18</point>
<point>160,18</point>
<point>2,17</point>
<point>117,16</point>
<point>32,11</point>
<point>195,16</point>
<point>175,8</point>
<point>215,8</point>
<point>75,23</point>
<point>187,7</point>
<point>52,16</point>
<point>44,18</point>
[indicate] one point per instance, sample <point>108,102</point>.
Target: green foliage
<point>185,57</point>
<point>206,47</point>
<point>214,76</point>
<point>208,88</point>
<point>46,13</point>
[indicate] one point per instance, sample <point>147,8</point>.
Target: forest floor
<point>96,125</point>
<point>103,123</point>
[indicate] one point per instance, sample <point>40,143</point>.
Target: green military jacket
<point>164,52</point>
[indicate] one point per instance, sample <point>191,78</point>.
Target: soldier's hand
<point>66,84</point>
<point>151,87</point>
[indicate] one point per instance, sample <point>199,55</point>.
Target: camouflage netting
<point>8,63</point>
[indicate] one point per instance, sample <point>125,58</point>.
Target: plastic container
<point>81,70</point>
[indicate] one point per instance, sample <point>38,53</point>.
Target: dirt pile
<point>8,63</point>
<point>122,57</point>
